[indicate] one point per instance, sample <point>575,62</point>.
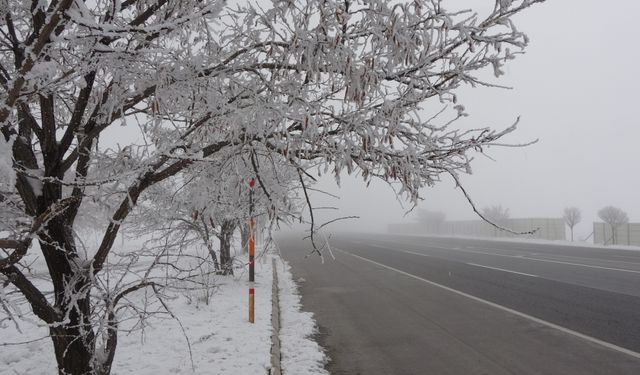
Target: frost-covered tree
<point>211,200</point>
<point>337,85</point>
<point>614,217</point>
<point>572,216</point>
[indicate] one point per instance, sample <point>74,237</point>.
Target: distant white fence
<point>626,234</point>
<point>548,228</point>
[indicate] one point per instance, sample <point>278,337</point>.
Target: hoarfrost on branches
<point>572,216</point>
<point>304,86</point>
<point>614,217</point>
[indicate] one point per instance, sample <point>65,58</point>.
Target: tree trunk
<point>73,337</point>
<point>72,334</point>
<point>244,237</point>
<point>214,258</point>
<point>613,234</point>
<point>226,233</point>
<point>208,242</point>
<point>73,352</point>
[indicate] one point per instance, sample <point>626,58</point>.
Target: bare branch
<point>481,215</point>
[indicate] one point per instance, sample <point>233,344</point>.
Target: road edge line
<point>588,338</point>
<point>502,269</point>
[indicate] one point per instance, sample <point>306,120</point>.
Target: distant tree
<point>572,216</point>
<point>615,217</point>
<point>496,213</point>
<point>432,219</point>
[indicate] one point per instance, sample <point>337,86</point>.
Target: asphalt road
<point>418,305</point>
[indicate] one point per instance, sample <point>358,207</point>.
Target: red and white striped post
<point>252,252</point>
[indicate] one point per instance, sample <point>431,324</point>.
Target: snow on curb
<point>301,355</point>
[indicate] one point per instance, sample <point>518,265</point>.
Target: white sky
<point>575,90</point>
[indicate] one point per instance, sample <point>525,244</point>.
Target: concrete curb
<point>275,323</point>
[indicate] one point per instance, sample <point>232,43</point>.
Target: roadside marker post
<point>251,305</point>
<point>252,252</point>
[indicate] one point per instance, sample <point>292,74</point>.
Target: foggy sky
<point>575,90</point>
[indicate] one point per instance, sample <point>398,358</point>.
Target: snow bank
<point>301,355</point>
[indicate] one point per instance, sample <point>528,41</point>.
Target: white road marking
<point>580,265</point>
<point>547,261</point>
<point>591,339</point>
<point>512,256</point>
<point>569,257</point>
<point>378,246</point>
<point>418,254</point>
<point>502,269</point>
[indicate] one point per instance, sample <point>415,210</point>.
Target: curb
<point>275,323</point>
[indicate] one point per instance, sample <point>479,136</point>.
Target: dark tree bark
<point>208,241</point>
<point>226,233</point>
<point>73,337</point>
<point>244,237</point>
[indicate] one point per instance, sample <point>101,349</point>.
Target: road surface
<point>419,305</point>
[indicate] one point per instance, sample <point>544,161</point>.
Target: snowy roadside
<point>301,355</point>
<point>201,339</point>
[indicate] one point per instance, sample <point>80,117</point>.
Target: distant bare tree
<point>615,217</point>
<point>572,216</point>
<point>496,213</point>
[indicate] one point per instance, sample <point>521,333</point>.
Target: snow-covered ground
<point>201,339</point>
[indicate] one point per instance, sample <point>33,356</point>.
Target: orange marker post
<point>252,250</point>
<point>252,253</point>
<point>251,305</point>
